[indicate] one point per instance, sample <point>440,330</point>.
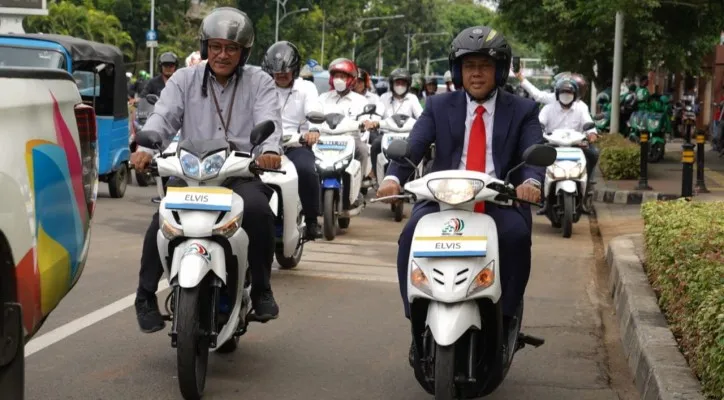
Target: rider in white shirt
<point>363,86</point>
<point>342,78</point>
<point>563,114</point>
<point>397,101</point>
<point>297,98</point>
<point>550,97</point>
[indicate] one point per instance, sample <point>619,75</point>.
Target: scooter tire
<point>399,211</point>
<point>117,182</point>
<point>568,210</point>
<point>656,152</point>
<point>192,346</point>
<point>445,372</point>
<point>329,216</point>
<point>143,179</point>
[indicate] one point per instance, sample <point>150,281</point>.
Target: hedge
<point>619,157</point>
<point>685,264</point>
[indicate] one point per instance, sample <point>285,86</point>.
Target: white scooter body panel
<point>441,249</point>
<point>288,184</point>
<point>568,159</point>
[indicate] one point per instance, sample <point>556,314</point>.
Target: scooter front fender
<point>567,186</point>
<point>449,321</point>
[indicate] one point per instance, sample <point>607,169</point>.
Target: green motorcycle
<point>652,117</point>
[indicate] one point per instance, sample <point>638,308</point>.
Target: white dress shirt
<point>488,118</point>
<point>408,105</point>
<point>553,116</point>
<point>352,104</point>
<point>295,103</point>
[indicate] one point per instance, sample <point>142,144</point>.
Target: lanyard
<point>228,112</point>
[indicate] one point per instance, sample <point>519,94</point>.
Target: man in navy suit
<point>479,128</point>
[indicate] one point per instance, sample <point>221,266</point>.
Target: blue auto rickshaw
<point>99,72</point>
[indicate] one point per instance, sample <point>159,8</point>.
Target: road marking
<point>75,326</point>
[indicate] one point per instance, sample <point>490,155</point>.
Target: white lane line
<point>75,326</point>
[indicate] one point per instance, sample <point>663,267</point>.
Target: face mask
<point>340,85</point>
<point>565,98</point>
<point>400,90</point>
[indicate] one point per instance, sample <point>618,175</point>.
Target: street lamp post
<point>283,4</point>
<point>354,41</point>
<point>411,36</point>
<point>361,20</point>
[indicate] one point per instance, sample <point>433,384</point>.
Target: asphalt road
<point>341,333</point>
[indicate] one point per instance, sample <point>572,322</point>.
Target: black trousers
<point>257,222</point>
<point>375,150</point>
<point>303,160</point>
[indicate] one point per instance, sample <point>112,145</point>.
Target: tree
<point>82,21</point>
<point>579,34</point>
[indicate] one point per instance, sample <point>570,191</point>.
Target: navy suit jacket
<point>515,128</point>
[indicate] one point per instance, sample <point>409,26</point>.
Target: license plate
<point>449,246</point>
<point>202,199</point>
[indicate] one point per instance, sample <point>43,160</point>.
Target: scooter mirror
<point>261,132</point>
<point>151,99</point>
<point>315,117</point>
<point>588,126</point>
<point>369,109</point>
<point>398,151</point>
<point>540,155</point>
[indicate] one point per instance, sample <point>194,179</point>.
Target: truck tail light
<point>85,118</point>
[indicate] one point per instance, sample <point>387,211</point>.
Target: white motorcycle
<point>453,285</point>
<point>204,250</point>
<point>566,190</point>
<point>395,127</point>
<point>340,172</point>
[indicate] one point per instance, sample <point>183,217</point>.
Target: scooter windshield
<point>333,119</point>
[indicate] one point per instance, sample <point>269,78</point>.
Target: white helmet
<point>447,77</point>
<point>193,59</point>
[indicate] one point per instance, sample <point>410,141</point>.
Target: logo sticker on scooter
<point>200,250</point>
<point>453,227</point>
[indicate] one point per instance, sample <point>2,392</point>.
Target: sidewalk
<point>664,180</point>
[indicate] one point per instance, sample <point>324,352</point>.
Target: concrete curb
<point>629,196</point>
<point>660,370</point>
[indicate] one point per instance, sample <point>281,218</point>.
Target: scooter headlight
<point>228,229</point>
<point>207,168</point>
<point>483,279</point>
<point>455,191</point>
<point>576,171</point>
<point>556,172</point>
<point>418,278</point>
<point>653,124</point>
<point>331,166</point>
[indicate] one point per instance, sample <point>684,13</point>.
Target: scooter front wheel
<point>399,211</point>
<point>330,215</point>
<point>568,209</point>
<point>445,372</point>
<point>192,344</point>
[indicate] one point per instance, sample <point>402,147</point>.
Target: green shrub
<point>685,264</point>
<point>619,157</point>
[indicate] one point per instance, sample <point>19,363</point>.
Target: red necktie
<point>476,149</point>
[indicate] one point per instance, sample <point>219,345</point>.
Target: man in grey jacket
<point>222,98</point>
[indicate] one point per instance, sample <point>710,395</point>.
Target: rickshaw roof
<point>80,49</point>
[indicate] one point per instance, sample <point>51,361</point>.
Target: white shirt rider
<point>555,116</point>
<point>549,97</point>
<point>408,105</point>
<point>296,102</point>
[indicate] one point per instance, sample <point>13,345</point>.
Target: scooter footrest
<point>531,340</point>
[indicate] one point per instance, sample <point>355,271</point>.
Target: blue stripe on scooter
<point>330,183</point>
<point>202,207</point>
<point>437,254</point>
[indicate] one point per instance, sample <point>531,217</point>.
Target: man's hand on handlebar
<point>140,160</point>
<point>311,138</point>
<point>592,137</point>
<point>528,192</point>
<point>389,188</point>
<point>370,125</point>
<point>269,161</point>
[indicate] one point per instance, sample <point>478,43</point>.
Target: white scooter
<point>565,190</point>
<point>340,172</point>
<point>395,127</point>
<point>453,283</point>
<point>204,250</point>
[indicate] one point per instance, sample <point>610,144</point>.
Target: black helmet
<point>282,57</point>
<point>567,84</point>
<point>430,79</point>
<point>400,74</point>
<point>168,58</point>
<point>230,24</point>
<point>481,40</point>
<point>362,75</point>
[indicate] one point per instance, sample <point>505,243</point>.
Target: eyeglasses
<point>231,49</point>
